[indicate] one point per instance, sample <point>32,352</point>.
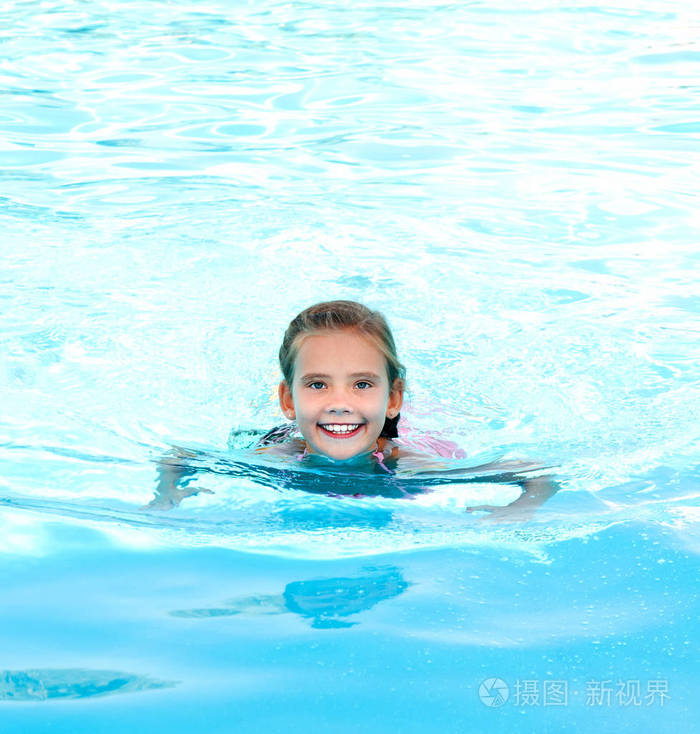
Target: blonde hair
<point>337,316</point>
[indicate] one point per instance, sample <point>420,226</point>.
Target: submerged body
<point>277,459</point>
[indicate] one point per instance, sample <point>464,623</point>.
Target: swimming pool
<point>515,188</point>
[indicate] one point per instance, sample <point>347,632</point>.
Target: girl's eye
<point>318,385</point>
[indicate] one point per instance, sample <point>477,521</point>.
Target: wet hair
<point>338,316</point>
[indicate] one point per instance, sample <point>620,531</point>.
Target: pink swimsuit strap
<point>380,461</point>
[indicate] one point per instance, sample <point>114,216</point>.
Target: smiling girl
<point>343,383</point>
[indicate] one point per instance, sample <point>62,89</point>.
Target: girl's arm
<point>174,476</point>
<point>536,492</point>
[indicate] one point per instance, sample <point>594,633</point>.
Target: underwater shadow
<point>57,683</point>
<point>326,603</point>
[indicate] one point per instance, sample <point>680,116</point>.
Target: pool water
<point>515,189</point>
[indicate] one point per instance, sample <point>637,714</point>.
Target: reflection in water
<point>40,685</point>
<point>326,602</point>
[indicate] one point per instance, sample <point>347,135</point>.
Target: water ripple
<point>513,186</point>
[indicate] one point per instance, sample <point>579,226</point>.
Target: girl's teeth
<point>341,429</point>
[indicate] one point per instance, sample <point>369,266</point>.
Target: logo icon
<point>493,692</point>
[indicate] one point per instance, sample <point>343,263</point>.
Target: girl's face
<point>340,395</point>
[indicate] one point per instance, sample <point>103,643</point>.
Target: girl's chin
<point>342,449</point>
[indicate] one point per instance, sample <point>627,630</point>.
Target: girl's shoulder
<point>278,435</point>
<point>283,440</point>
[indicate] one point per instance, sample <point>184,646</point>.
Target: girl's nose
<point>338,403</point>
<point>339,411</point>
<point>338,406</point>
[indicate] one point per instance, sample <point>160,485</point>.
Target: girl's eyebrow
<point>317,375</point>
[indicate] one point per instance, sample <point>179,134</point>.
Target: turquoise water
<point>515,188</point>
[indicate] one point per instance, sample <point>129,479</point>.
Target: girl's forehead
<point>338,347</point>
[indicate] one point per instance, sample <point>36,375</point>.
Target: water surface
<point>514,188</point>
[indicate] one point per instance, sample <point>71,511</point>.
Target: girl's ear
<point>286,402</point>
<point>395,398</point>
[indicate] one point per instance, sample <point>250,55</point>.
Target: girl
<point>343,386</point>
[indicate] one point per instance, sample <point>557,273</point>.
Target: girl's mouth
<point>340,430</point>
